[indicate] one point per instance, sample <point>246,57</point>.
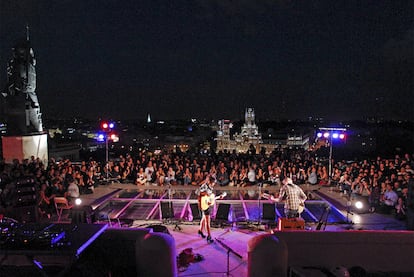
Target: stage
<point>128,207</point>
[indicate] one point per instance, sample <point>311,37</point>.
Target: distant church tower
<point>148,118</point>
<point>250,129</point>
<point>248,137</point>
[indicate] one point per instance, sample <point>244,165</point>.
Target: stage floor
<point>124,207</point>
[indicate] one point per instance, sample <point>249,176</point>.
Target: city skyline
<point>213,59</point>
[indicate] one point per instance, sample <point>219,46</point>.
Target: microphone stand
<point>170,210</point>
<point>260,206</point>
<point>323,220</point>
<point>228,255</point>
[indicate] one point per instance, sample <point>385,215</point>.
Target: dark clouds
<point>181,59</point>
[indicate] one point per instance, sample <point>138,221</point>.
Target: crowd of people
<point>384,182</point>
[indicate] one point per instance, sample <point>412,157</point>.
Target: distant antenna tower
<point>149,118</point>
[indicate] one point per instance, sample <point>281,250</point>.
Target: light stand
<point>330,134</point>
<point>107,156</point>
<point>107,127</point>
<point>330,161</point>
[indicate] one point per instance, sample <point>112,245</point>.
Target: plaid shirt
<point>293,195</point>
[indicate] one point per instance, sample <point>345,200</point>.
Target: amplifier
<point>285,224</point>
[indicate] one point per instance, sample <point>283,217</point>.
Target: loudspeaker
<point>167,210</point>
<point>25,192</point>
<point>195,211</point>
<point>82,214</point>
<point>26,214</point>
<point>223,212</point>
<point>269,212</point>
<point>159,228</point>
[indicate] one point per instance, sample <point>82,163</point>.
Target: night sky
<point>213,58</point>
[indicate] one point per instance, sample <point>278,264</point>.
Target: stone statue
<point>21,105</point>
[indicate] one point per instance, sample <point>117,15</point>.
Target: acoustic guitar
<point>207,201</point>
<point>270,197</point>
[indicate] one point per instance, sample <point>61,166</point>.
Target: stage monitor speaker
<point>223,212</point>
<point>159,228</point>
<point>82,214</point>
<point>269,212</point>
<point>195,211</point>
<point>167,210</point>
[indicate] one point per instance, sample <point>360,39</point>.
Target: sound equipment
<point>82,214</point>
<point>195,211</point>
<point>290,224</point>
<point>167,210</point>
<point>159,228</point>
<point>25,192</point>
<point>223,212</point>
<point>269,212</point>
<point>26,214</point>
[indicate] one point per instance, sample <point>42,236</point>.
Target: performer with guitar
<point>294,198</point>
<point>206,199</point>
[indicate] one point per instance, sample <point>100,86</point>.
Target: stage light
<point>78,201</point>
<point>326,135</point>
<point>319,135</point>
<point>107,126</point>
<point>114,137</point>
<point>359,205</point>
<point>335,135</point>
<point>100,137</point>
<point>342,136</point>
